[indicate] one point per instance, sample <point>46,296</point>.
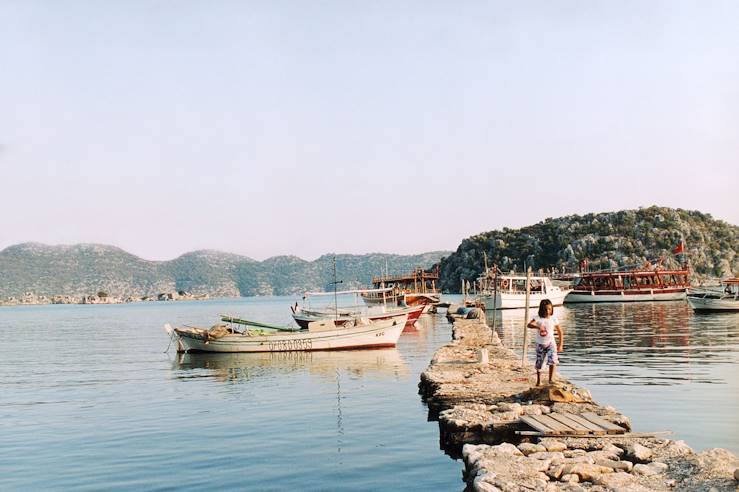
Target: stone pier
<point>478,402</point>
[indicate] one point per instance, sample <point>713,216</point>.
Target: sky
<point>275,127</point>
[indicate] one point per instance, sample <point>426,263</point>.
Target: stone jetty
<point>478,391</point>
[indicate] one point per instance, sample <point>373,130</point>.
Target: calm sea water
<point>90,401</point>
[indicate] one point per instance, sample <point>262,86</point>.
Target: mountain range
<point>85,269</point>
<point>626,238</point>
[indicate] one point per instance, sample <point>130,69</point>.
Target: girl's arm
<point>532,324</point>
<point>561,335</point>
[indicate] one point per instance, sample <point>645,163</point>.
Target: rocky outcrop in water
<point>607,240</point>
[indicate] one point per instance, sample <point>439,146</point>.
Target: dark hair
<point>543,307</point>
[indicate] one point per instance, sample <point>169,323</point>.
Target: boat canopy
<point>355,291</point>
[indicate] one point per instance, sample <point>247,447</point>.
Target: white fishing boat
<point>511,292</point>
<point>260,337</point>
<point>347,315</point>
<point>349,318</point>
<point>725,298</point>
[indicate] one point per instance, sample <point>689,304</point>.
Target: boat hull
<point>378,300</point>
<point>303,319</point>
<point>713,304</point>
<point>626,296</point>
<point>415,312</point>
<point>509,300</point>
<point>378,334</point>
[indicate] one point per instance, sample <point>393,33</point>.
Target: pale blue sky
<point>274,127</point>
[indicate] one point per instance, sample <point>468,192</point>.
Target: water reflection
<point>660,343</point>
<point>382,363</point>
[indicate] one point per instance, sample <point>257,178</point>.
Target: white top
<point>545,333</point>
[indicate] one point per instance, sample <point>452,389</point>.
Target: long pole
<point>495,301</point>
<point>336,302</point>
<point>526,316</point>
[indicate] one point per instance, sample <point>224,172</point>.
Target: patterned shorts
<point>551,353</point>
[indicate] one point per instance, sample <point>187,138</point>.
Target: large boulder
<point>528,448</point>
<point>637,453</point>
<point>558,392</point>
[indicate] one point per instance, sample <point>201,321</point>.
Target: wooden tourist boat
<point>415,289</point>
<point>260,337</point>
<point>511,292</point>
<point>725,298</point>
<point>630,286</point>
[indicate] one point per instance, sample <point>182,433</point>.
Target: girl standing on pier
<point>546,324</point>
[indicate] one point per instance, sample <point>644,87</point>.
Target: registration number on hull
<point>289,345</point>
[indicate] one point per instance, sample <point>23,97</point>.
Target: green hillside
<point>85,269</point>
<point>607,240</point>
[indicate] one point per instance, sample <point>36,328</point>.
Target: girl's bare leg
<point>538,378</point>
<point>551,374</point>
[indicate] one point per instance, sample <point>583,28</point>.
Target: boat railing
<point>256,324</point>
<point>342,292</point>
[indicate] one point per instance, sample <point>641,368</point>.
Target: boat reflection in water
<point>244,366</point>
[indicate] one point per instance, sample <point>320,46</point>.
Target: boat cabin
<point>731,286</point>
<point>419,281</point>
<point>635,280</point>
<point>517,284</point>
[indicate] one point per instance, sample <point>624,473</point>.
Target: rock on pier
<point>479,400</point>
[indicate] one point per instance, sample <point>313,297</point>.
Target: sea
<point>94,397</point>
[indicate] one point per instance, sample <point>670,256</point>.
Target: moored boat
<point>347,315</point>
<point>510,292</point>
<point>303,317</point>
<point>630,286</point>
<point>320,335</point>
<point>414,289</point>
<point>725,298</point>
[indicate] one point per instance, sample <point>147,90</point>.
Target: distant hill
<point>85,269</point>
<point>607,240</point>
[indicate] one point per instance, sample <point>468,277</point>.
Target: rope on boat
<point>171,337</point>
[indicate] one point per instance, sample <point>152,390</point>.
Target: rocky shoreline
<point>478,397</point>
<point>31,299</point>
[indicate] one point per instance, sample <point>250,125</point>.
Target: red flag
<point>680,248</point>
